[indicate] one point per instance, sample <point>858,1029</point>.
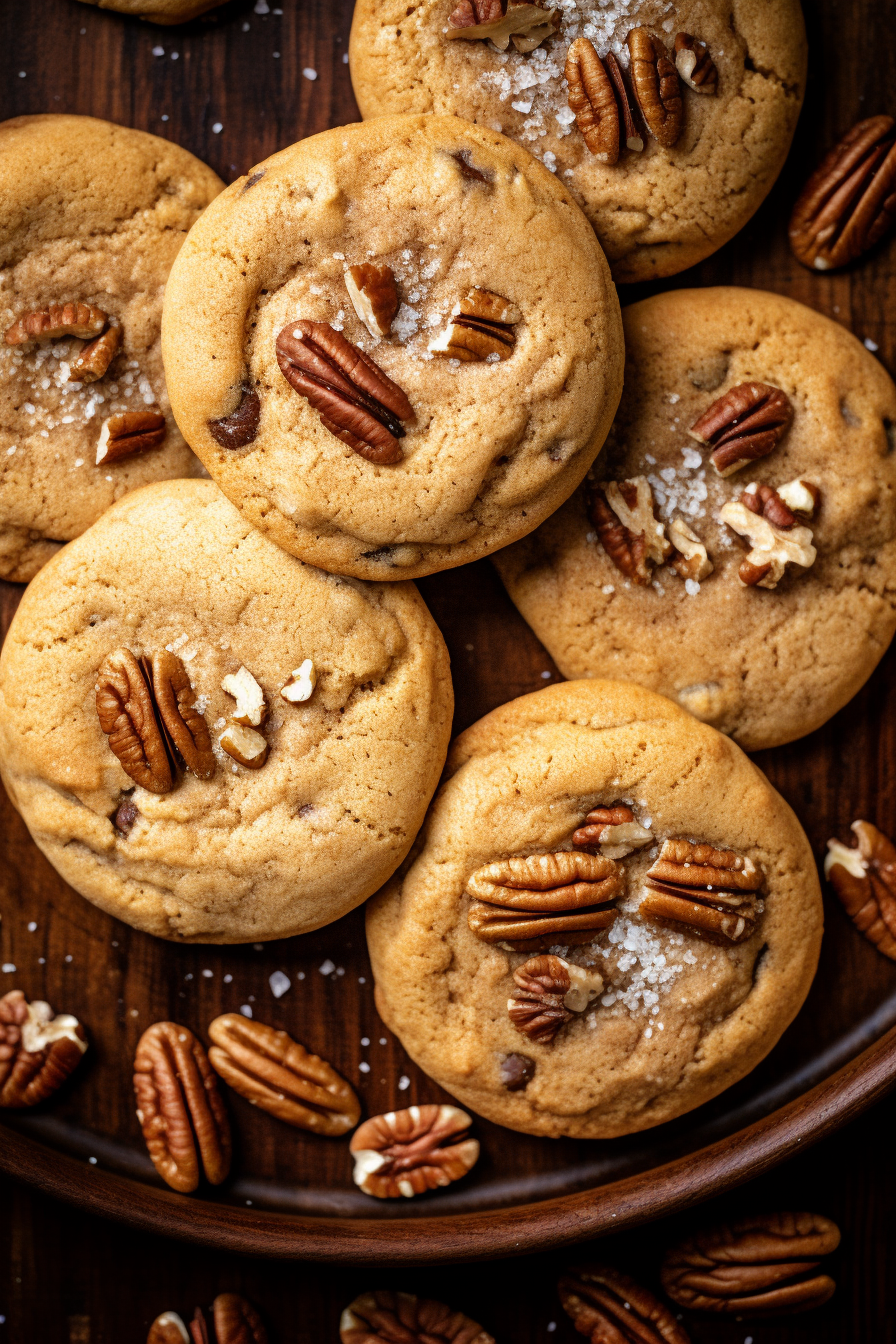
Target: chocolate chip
<point>517,1072</point>
<point>125,816</point>
<point>241,426</point>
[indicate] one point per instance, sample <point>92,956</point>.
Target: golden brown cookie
<point>159,11</point>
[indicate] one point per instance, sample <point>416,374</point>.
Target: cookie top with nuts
<point>91,218</point>
<point>735,546</point>
<point>595,1030</point>
<point>668,122</point>
<point>147,741</point>
<point>395,346</point>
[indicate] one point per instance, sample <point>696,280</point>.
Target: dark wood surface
<point>60,1264</point>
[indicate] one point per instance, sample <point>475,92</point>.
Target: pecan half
<point>657,88</point>
<point>93,360</point>
<point>176,703</point>
<point>37,1050</point>
<point>240,427</point>
<point>128,433</point>
<point>695,65</point>
<point>374,295</point>
<point>530,903</point>
<point>711,891</point>
<point>244,745</point>
<point>408,1152</point>
<point>274,1072</point>
<point>772,548</point>
<point>612,830</point>
<point>525,25</point>
<point>385,1317</point>
<point>168,1329</point>
<point>745,424</point>
<point>634,140</point>
<point>690,558</point>
<point>849,202</point>
<point>354,398</point>
<point>59,319</point>
<point>865,882</point>
<point>516,1072</point>
<point>549,991</point>
<point>758,1266</point>
<point>610,1308</point>
<point>592,100</point>
<point>180,1109</point>
<point>481,329</point>
<point>237,1321</point>
<point>627,528</point>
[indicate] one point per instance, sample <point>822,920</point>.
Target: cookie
<point>395,346</point>
<point>609,918</point>
<point>664,186</point>
<point>91,218</point>
<point>210,739</point>
<point>765,654</point>
<point>159,11</point>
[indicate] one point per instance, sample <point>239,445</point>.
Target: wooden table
<point>65,1276</point>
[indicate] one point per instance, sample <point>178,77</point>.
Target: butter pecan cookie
<point>153,739</point>
<point>609,918</point>
<point>395,346</point>
<point>159,11</point>
<point>91,218</point>
<point>735,549</point>
<point>668,122</point>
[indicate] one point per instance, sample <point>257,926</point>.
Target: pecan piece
<point>128,433</point>
<point>354,398</point>
<point>758,1266</point>
<point>549,991</point>
<point>180,1108</point>
<point>244,745</point>
<point>612,830</point>
<point>765,501</point>
<point>627,528</point>
<point>251,706</point>
<point>59,319</point>
<point>634,140</point>
<point>168,1329</point>
<point>529,904</point>
<point>237,1321</point>
<point>592,100</point>
<point>38,1050</point>
<point>481,329</point>
<point>240,427</point>
<point>385,1317</point>
<point>300,683</point>
<point>516,1072</point>
<point>374,295</point>
<point>407,1152</point>
<point>747,423</point>
<point>800,496</point>
<point>849,202</point>
<point>711,891</point>
<point>772,548</point>
<point>865,882</point>
<point>657,87</point>
<point>610,1308</point>
<point>690,558</point>
<point>695,65</point>
<point>274,1072</point>
<point>127,716</point>
<point>94,358</point>
<point>525,25</point>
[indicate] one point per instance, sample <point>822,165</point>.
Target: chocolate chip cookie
<point>91,218</point>
<point>395,346</point>
<point>210,739</point>
<point>610,917</point>
<point>735,548</point>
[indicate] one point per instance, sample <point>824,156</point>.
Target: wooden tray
<point>291,1194</point>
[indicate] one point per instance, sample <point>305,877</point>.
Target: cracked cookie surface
<point>678,1019</point>
<point>249,854</point>
<point>764,666</point>
<point>494,446</point>
<point>655,212</point>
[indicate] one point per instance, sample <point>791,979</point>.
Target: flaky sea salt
<point>279,984</point>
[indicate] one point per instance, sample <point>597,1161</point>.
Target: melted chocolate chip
<point>256,177</point>
<point>464,160</point>
<point>241,426</point>
<point>125,816</point>
<point>517,1072</point>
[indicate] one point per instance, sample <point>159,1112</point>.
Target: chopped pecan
<point>128,433</point>
<point>516,1072</point>
<point>695,65</point>
<point>634,140</point>
<point>531,903</point>
<point>240,427</point>
<point>354,398</point>
<point>612,830</point>
<point>127,716</point>
<point>712,891</point>
<point>765,501</point>
<point>525,25</point>
<point>592,100</point>
<point>772,548</point>
<point>94,359</point>
<point>251,706</point>
<point>548,992</point>
<point>610,1308</point>
<point>180,1109</point>
<point>865,882</point>
<point>481,328</point>
<point>38,1050</point>
<point>657,87</point>
<point>385,1317</point>
<point>168,1329</point>
<point>59,319</point>
<point>244,745</point>
<point>374,295</point>
<point>849,202</point>
<point>800,496</point>
<point>300,683</point>
<point>690,558</point>
<point>747,423</point>
<point>407,1152</point>
<point>627,528</point>
<point>274,1072</point>
<point>758,1266</point>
